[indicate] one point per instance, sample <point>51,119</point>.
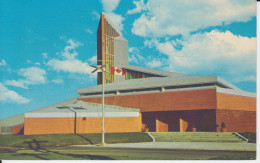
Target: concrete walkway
<point>184,145</point>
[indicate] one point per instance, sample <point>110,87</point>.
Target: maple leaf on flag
<point>117,71</point>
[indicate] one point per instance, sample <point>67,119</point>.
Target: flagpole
<point>117,71</point>
<point>103,103</point>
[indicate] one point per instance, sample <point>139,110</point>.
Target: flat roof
<point>81,106</point>
<point>153,71</point>
<point>12,121</point>
<point>145,83</point>
<point>236,92</point>
<point>15,120</point>
<point>83,109</point>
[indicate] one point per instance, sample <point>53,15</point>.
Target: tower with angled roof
<point>112,51</point>
<point>168,101</point>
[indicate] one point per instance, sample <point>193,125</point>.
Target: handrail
<point>151,136</point>
<point>242,137</point>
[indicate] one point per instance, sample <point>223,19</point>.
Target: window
<point>132,75</point>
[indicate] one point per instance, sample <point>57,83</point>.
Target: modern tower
<point>112,48</point>
<point>159,102</point>
<point>112,51</point>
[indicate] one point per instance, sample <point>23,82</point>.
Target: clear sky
<point>44,44</point>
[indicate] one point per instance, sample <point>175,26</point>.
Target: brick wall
<point>236,113</point>
<point>236,120</point>
<point>162,124</point>
<point>34,126</point>
<point>232,102</point>
<point>18,129</point>
<point>183,125</point>
<point>113,124</point>
<point>164,101</point>
<point>176,121</point>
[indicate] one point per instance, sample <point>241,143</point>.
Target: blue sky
<point>45,44</point>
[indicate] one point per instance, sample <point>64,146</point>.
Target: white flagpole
<point>103,104</point>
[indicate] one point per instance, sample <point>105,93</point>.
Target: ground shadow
<point>34,144</point>
<point>85,139</point>
<point>43,153</point>
<point>21,132</point>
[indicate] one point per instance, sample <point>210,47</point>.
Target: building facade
<point>169,101</point>
<point>112,51</point>
<point>201,103</point>
<point>143,99</point>
<point>78,117</point>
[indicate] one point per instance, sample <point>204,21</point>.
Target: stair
<point>196,137</point>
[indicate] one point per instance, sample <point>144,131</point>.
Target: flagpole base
<point>103,144</point>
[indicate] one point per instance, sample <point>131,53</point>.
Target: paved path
<point>185,145</point>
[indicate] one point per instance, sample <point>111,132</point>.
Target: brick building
<point>167,101</point>
<point>79,117</point>
<point>188,103</point>
<point>73,117</point>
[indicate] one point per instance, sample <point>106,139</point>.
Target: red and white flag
<point>118,71</point>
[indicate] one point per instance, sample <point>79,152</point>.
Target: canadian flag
<point>117,71</point>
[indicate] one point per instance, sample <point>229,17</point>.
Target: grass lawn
<point>56,147</point>
<point>251,136</point>
<point>27,141</point>
<point>101,153</point>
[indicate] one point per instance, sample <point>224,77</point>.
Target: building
<point>112,51</point>
<point>168,101</point>
<point>80,117</point>
<point>143,99</point>
<point>74,117</point>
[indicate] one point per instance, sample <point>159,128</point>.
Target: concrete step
<point>226,141</point>
<point>192,133</point>
<point>226,138</point>
<point>195,137</point>
<point>212,138</point>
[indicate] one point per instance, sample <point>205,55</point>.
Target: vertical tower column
<point>112,49</point>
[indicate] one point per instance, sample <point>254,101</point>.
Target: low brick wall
<point>35,126</point>
<point>236,113</point>
<point>236,121</point>
<point>18,129</point>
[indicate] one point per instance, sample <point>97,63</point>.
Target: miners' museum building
<point>142,100</point>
